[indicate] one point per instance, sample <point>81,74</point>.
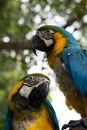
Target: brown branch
<point>3,3</point>
<point>16,44</point>
<point>70,21</point>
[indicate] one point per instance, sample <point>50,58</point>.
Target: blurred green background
<point>18,21</point>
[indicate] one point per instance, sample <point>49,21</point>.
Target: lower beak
<point>38,95</point>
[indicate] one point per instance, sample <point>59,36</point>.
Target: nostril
<point>38,33</point>
<point>43,79</point>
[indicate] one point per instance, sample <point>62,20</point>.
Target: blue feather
<point>52,114</point>
<point>8,119</point>
<point>75,60</point>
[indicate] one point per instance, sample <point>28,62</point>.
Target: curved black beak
<point>38,95</point>
<point>38,43</point>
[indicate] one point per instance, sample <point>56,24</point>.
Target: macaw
<point>28,107</point>
<point>68,61</point>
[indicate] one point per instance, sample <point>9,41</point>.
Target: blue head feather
<point>52,114</point>
<point>8,119</point>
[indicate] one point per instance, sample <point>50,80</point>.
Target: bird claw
<point>72,124</point>
<point>84,122</point>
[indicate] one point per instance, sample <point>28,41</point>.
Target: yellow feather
<point>42,120</point>
<point>59,45</point>
<point>12,92</point>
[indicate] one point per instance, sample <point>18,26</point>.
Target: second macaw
<point>28,107</point>
<point>68,61</point>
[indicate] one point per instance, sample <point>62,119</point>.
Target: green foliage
<point>10,72</point>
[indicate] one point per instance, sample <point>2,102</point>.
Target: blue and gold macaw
<point>28,107</point>
<point>68,61</point>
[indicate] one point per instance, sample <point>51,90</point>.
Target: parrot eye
<point>45,34</point>
<point>48,30</point>
<point>48,34</point>
<point>31,77</point>
<point>31,81</point>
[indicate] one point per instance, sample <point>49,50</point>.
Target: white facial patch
<point>25,91</point>
<point>48,42</point>
<point>46,36</point>
<point>51,31</point>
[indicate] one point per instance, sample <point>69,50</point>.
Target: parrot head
<point>46,37</point>
<point>43,40</point>
<point>29,93</point>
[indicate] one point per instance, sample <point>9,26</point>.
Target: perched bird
<point>68,61</point>
<point>28,107</point>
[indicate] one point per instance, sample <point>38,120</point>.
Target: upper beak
<point>35,42</point>
<point>38,43</point>
<point>34,51</point>
<point>39,94</point>
<point>34,45</point>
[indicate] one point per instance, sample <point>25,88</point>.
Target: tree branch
<point>70,21</point>
<point>16,44</point>
<point>3,3</point>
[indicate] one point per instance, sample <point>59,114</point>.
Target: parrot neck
<point>62,41</point>
<point>70,39</point>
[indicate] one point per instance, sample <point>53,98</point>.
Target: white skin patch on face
<point>25,91</point>
<point>46,36</point>
<point>48,42</point>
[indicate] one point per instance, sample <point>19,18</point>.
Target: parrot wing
<point>75,61</point>
<point>8,119</point>
<point>52,114</point>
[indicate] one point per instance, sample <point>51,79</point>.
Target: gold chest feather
<point>28,120</point>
